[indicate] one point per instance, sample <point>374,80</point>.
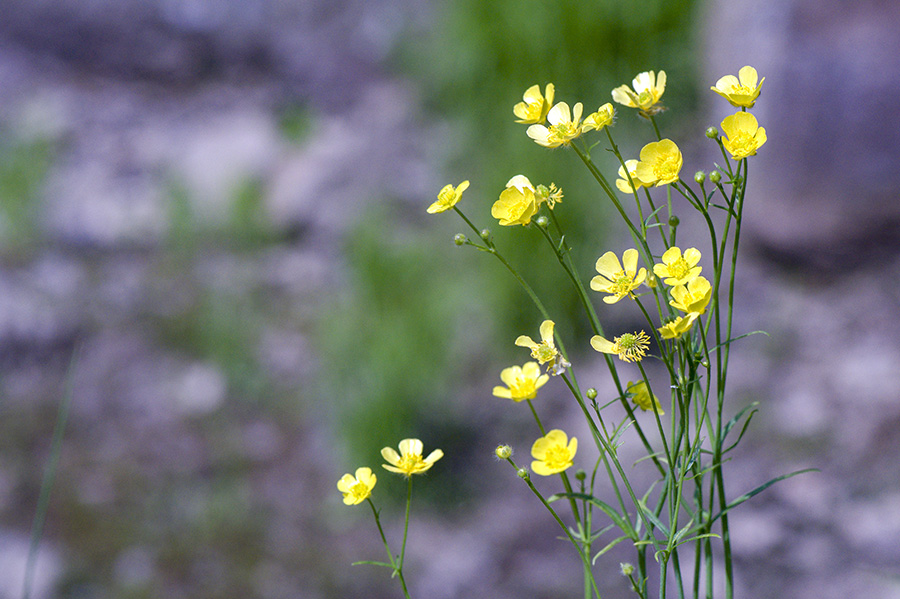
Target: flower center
<point>543,353</point>
<point>359,490</point>
<point>409,462</point>
<point>622,283</point>
<point>557,457</point>
<point>743,143</point>
<point>666,168</point>
<point>645,98</point>
<point>564,131</point>
<point>679,268</point>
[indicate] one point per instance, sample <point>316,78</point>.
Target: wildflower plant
<point>681,416</point>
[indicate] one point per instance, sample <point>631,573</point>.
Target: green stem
<point>398,568</point>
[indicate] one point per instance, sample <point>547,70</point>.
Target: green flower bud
<point>459,239</point>
<point>712,133</point>
<point>522,473</point>
<point>627,569</point>
<point>580,474</point>
<point>485,234</point>
<point>591,394</point>
<point>715,177</point>
<point>503,452</point>
<point>700,177</point>
<point>542,221</point>
<point>674,221</point>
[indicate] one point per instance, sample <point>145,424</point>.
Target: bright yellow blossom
<point>618,279</point>
<point>522,382</point>
<point>660,163</point>
<point>678,327</point>
<point>623,183</point>
<point>534,107</point>
<point>630,347</point>
<point>357,489</point>
<point>600,119</point>
<point>641,397</point>
<point>692,297</point>
<point>448,197</point>
<point>678,269</point>
<point>745,136</point>
<point>409,460</point>
<point>545,352</point>
<point>553,453</point>
<point>648,89</point>
<point>740,91</point>
<point>564,126</point>
<point>517,203</point>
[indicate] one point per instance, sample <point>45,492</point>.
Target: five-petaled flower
<point>692,297</point>
<point>448,197</point>
<point>630,347</point>
<point>641,397</point>
<point>534,107</point>
<point>600,119</point>
<point>522,382</point>
<point>648,89</point>
<point>357,489</point>
<point>678,327</point>
<point>745,136</point>
<point>545,352</point>
<point>517,203</point>
<point>623,183</point>
<point>409,460</point>
<point>677,268</point>
<point>617,279</point>
<point>660,163</point>
<point>564,126</point>
<point>740,91</point>
<point>553,453</point>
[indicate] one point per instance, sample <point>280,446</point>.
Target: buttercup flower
<point>600,119</point>
<point>553,453</point>
<point>545,352</point>
<point>740,91</point>
<point>622,182</point>
<point>692,297</point>
<point>642,397</point>
<point>678,269</point>
<point>678,327</point>
<point>564,126</point>
<point>448,197</point>
<point>522,382</point>
<point>534,107</point>
<point>357,489</point>
<point>615,279</point>
<point>409,460</point>
<point>660,163</point>
<point>517,203</point>
<point>648,89</point>
<point>745,136</point>
<point>630,347</point>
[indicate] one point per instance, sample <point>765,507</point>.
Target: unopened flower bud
<point>591,394</point>
<point>523,473</point>
<point>485,234</point>
<point>715,176</point>
<point>503,452</point>
<point>627,569</point>
<point>580,474</point>
<point>459,239</point>
<point>542,222</point>
<point>674,221</point>
<point>712,133</point>
<point>700,177</point>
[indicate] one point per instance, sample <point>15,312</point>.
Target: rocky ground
<point>191,171</point>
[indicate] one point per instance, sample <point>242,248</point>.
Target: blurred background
<point>212,216</point>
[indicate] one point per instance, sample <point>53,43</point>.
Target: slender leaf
<point>758,490</point>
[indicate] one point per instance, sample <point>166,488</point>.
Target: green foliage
<point>23,169</point>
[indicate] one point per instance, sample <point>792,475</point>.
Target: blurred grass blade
<point>37,528</point>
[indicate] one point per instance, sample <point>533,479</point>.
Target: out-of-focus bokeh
<point>212,216</point>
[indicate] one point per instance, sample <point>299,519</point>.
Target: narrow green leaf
<point>758,490</point>
<point>609,546</point>
<point>370,563</point>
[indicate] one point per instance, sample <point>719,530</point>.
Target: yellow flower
<point>357,489</point>
<point>553,453</point>
<point>448,197</point>
<point>535,106</point>
<point>522,382</point>
<point>409,460</point>
<point>630,347</point>
<point>678,327</point>
<point>692,297</point>
<point>545,352</point>
<point>517,203</point>
<point>660,163</point>
<point>740,91</point>
<point>745,136</point>
<point>678,269</point>
<point>616,280</point>
<point>622,182</point>
<point>564,126</point>
<point>641,397</point>
<point>600,119</point>
<point>648,89</point>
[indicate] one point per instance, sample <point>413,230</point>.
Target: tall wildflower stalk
<point>680,416</point>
